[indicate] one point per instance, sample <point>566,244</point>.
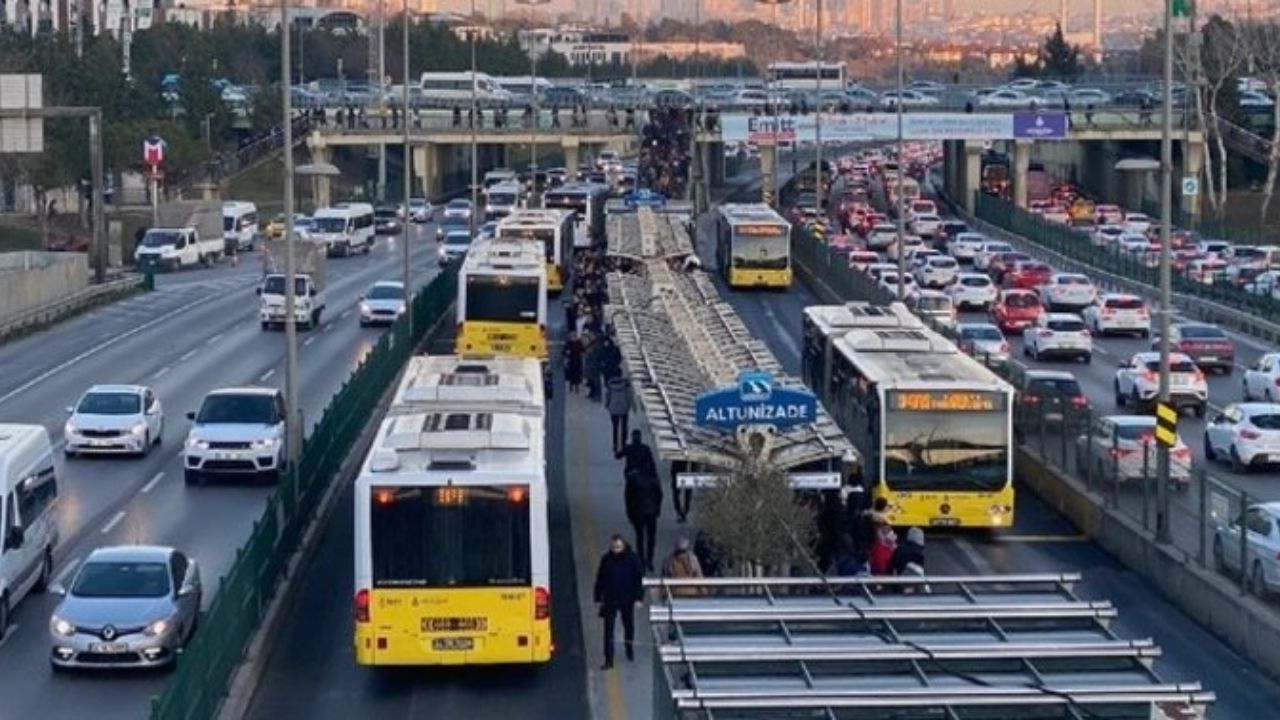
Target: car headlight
<point>70,429</point>
<point>265,443</point>
<point>139,429</point>
<point>157,628</point>
<point>197,444</point>
<point>61,627</point>
<point>364,308</point>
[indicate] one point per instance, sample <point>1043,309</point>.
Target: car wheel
<point>1257,582</point>
<point>1144,334</point>
<point>46,572</point>
<point>4,614</point>
<point>1219,557</point>
<point>159,435</point>
<point>1237,466</point>
<point>1120,401</point>
<point>266,326</point>
<point>1086,358</point>
<point>146,445</point>
<point>192,477</point>
<point>1209,453</point>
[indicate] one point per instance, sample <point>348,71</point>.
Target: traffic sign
<point>1190,186</point>
<point>755,400</point>
<point>644,197</point>
<point>153,148</point>
<point>1180,8</point>
<point>1166,424</point>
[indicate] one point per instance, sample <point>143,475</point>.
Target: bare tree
<point>1261,40</point>
<point>1214,65</point>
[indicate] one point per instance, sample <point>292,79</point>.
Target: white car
<point>1136,222</point>
<point>876,269</point>
<point>113,420</point>
<point>921,207</point>
<point>910,98</point>
<point>1068,291</point>
<point>965,246</point>
<point>983,341</point>
<point>1006,97</point>
<point>382,304</point>
<point>908,242</point>
<point>925,224</point>
<point>458,208</point>
<point>1057,334</point>
<point>1137,383</point>
<point>933,305</point>
<point>1107,235</point>
<point>1133,243</point>
<point>989,250</point>
<point>882,235</point>
<point>453,246</point>
<point>937,271</point>
<point>1122,449</point>
<point>974,290</point>
<point>238,432</point>
<point>1084,97</point>
<point>1262,547</point>
<point>1119,313</point>
<point>863,259</point>
<point>1262,379</point>
<point>889,282</point>
<point>1245,434</point>
<point>419,210</point>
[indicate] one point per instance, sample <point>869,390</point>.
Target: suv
<point>237,432</point>
<point>1051,397</point>
<point>1117,313</point>
<point>1058,334</point>
<point>1138,382</point>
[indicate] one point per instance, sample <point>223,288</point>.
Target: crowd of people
<point>857,539</point>
<point>664,151</point>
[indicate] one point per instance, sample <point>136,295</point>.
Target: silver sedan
<point>128,607</point>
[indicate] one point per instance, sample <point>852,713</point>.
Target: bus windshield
<point>762,252</point>
<point>943,448</point>
<point>502,298</point>
<point>448,537</point>
<point>502,199</point>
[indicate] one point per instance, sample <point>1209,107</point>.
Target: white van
<point>239,223</point>
<point>345,228</point>
<point>500,175</point>
<point>502,199</point>
<point>28,532</point>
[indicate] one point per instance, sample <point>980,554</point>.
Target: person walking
<point>642,495</point>
<point>573,362</point>
<point>617,400</point>
<point>682,563</point>
<point>592,367</point>
<point>618,589</point>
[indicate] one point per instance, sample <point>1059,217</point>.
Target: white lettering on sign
<point>757,414</point>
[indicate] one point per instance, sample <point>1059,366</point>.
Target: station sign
<point>796,481</point>
<point>755,400</point>
<point>644,197</point>
<point>1040,125</point>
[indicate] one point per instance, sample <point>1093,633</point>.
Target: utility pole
<point>817,119</point>
<point>293,429</point>
<point>902,213</point>
<point>381,84</point>
<point>475,120</point>
<point>1166,218</point>
<point>408,172</point>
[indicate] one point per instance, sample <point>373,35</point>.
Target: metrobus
<point>934,426</point>
<point>809,75</point>
<point>460,85</point>
<point>502,299</point>
<point>753,246</point>
<point>486,383</point>
<point>587,201</point>
<point>553,228</point>
<point>452,553</point>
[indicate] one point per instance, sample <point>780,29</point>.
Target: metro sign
<point>153,148</point>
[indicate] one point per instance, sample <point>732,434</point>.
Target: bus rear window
<point>450,536</point>
<point>502,298</point>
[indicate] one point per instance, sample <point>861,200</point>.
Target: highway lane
<point>311,674</point>
<point>115,501</point>
<point>1043,541</point>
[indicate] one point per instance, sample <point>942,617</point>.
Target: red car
<point>1003,262</point>
<point>1016,309</point>
<point>1027,275</point>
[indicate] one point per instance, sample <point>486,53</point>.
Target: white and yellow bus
<point>502,300</point>
<point>753,246</point>
<point>553,227</point>
<point>452,556</point>
<point>587,201</point>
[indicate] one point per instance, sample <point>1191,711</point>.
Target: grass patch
<point>14,238</point>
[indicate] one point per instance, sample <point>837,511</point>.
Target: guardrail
<point>76,302</point>
<point>204,670</point>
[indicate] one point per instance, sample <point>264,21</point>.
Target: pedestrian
<point>573,363</point>
<point>908,556</point>
<point>617,400</point>
<point>880,555</point>
<point>681,498</point>
<point>571,315</point>
<point>619,588</point>
<point>592,367</point>
<point>709,555</point>
<point>846,562</point>
<point>642,494</point>
<point>682,564</point>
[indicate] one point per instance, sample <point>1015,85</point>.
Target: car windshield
<point>1073,280</point>
<point>999,248</point>
<point>160,238</point>
<point>274,285</point>
<point>942,262</point>
<point>1139,432</point>
<point>386,292</point>
<point>122,580</point>
<point>386,213</point>
<point>252,409</point>
<point>982,333</point>
<point>455,222</point>
<point>1021,300</point>
<point>455,238</point>
<point>1124,304</point>
<point>110,403</point>
<point>1062,386</point>
<point>1202,331</point>
<point>975,281</point>
<point>330,224</point>
<point>460,204</point>
<point>1177,366</point>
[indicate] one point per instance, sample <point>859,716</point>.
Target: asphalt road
<point>1044,541</point>
<point>196,332</point>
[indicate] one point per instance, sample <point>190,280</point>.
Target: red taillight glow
<point>516,495</point>
<point>362,606</point>
<point>1247,434</point>
<point>1122,452</point>
<point>1079,401</point>
<point>541,603</point>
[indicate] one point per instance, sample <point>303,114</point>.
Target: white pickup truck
<point>309,285</point>
<point>175,248</point>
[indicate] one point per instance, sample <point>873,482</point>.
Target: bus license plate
<point>460,643</point>
<point>944,521</point>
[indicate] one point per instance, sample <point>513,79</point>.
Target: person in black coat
<point>619,587</point>
<point>642,494</point>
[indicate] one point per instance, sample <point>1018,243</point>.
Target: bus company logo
<point>755,386</point>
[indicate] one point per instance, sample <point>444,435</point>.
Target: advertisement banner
<point>1040,126</point>
<point>865,127</point>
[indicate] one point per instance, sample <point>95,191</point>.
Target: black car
<point>386,220</point>
<point>1048,399</point>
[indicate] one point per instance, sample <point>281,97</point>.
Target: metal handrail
<point>1189,693</point>
<point>1067,579</point>
<point>735,653</point>
<point>1102,610</point>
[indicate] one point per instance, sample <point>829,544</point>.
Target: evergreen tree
<point>1059,59</point>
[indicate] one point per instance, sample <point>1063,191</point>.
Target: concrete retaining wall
<point>32,279</point>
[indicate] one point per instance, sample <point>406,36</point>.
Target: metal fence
<point>1206,512</point>
<point>204,670</point>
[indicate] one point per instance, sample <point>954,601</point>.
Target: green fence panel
<point>204,670</point>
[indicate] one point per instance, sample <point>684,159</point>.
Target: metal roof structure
<point>679,339</point>
<point>902,648</point>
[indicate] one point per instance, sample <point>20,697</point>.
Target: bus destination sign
<point>946,401</point>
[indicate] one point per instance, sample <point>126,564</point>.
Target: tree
<point>1261,41</point>
<point>1059,59</point>
<point>1216,68</point>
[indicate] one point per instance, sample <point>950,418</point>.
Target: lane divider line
<point>113,522</point>
<point>187,355</point>
<point>309,340</point>
<point>266,375</point>
<point>345,313</point>
<point>13,630</point>
<point>214,339</point>
<point>66,571</point>
<point>161,372</point>
<point>151,484</point>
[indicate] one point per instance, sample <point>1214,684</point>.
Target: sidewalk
<point>595,486</point>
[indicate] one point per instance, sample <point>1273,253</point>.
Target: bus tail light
<point>362,606</point>
<point>541,603</point>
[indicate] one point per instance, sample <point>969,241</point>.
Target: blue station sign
<point>755,400</point>
<point>644,197</point>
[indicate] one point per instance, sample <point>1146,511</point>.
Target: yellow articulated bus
<point>452,557</point>
<point>753,246</point>
<point>934,426</point>
<point>502,300</point>
<point>553,227</point>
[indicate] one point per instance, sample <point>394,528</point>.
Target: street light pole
<point>1166,219</point>
<point>817,120</point>
<point>475,120</point>
<point>537,110</point>
<point>382,96</point>
<point>293,428</point>
<point>902,213</point>
<point>408,169</point>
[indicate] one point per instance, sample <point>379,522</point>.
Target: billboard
<point>866,127</point>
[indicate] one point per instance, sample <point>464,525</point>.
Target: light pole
<point>817,119</point>
<point>408,168</point>
<point>902,213</point>
<point>475,120</point>
<point>533,86</point>
<point>293,429</point>
<point>771,101</point>
<point>382,96</point>
<point>1166,219</point>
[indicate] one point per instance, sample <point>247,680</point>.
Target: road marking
<point>187,355</point>
<point>266,375</point>
<point>113,522</point>
<point>151,484</point>
<point>1032,538</point>
<point>326,327</point>
<point>13,630</point>
<point>161,373</point>
<point>345,313</point>
<point>66,570</point>
<point>309,340</point>
<point>974,557</point>
<point>214,339</point>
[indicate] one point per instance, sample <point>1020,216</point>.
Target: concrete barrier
<point>31,279</point>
